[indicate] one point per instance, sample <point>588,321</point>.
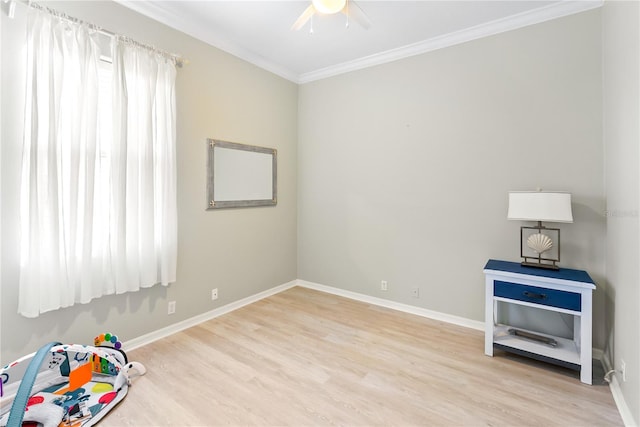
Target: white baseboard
<point>618,397</point>
<point>196,320</point>
<point>406,308</point>
<point>597,353</point>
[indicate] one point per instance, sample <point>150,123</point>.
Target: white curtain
<point>144,246</point>
<point>98,185</point>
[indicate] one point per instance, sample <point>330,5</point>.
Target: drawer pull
<point>534,295</point>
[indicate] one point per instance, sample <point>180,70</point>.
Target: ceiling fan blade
<point>355,12</point>
<point>302,19</point>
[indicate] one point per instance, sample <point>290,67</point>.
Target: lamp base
<point>538,249</point>
<point>540,265</point>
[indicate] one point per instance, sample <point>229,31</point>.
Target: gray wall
<point>240,251</point>
<point>621,58</point>
<point>404,168</point>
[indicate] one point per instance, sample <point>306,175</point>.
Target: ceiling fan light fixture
<point>329,6</point>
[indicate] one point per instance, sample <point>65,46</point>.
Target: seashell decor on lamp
<point>540,206</point>
<point>539,243</point>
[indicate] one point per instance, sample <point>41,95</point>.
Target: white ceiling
<point>259,31</point>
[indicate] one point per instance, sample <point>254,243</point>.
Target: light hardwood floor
<point>304,357</point>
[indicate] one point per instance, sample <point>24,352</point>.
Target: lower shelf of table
<point>565,353</point>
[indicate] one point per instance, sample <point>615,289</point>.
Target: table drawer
<point>533,294</point>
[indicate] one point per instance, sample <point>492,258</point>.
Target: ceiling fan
<point>328,7</point>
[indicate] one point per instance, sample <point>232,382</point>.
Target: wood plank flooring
<point>304,357</point>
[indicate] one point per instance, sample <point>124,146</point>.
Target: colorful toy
<point>66,385</point>
<point>102,365</point>
<point>109,339</point>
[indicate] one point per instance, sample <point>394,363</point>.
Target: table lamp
<point>540,245</point>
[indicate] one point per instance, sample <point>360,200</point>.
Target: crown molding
<point>202,33</point>
<point>535,16</point>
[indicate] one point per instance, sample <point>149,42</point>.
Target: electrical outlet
<point>384,285</point>
<point>623,370</point>
<point>415,292</point>
<point>214,294</point>
<point>171,307</point>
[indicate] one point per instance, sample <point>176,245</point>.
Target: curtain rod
<point>178,59</point>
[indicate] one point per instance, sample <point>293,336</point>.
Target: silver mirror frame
<point>212,203</point>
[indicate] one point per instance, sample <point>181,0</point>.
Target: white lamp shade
<point>544,206</point>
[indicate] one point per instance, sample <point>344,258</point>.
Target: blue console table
<point>565,291</point>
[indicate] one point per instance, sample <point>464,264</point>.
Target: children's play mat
<point>66,385</point>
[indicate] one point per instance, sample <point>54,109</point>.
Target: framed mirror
<point>240,175</point>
